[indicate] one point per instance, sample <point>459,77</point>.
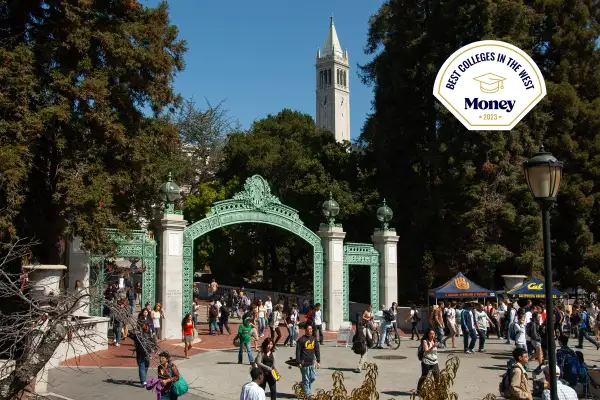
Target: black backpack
<point>420,352</point>
<point>213,312</point>
<point>388,316</point>
<point>504,387</point>
<point>224,311</point>
<point>359,343</point>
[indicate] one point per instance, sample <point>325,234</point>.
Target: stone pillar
<point>332,238</point>
<point>386,243</point>
<point>170,273</point>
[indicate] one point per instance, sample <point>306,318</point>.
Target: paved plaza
<point>215,374</point>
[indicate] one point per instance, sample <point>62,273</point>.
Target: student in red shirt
<point>187,333</point>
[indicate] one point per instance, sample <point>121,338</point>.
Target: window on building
<point>329,76</point>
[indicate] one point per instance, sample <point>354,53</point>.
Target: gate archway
<point>255,204</point>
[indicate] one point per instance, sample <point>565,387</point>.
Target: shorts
<point>535,344</point>
<point>188,338</point>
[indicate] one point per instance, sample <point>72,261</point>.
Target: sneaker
<point>117,344</point>
<point>144,384</point>
<point>471,352</point>
<point>481,350</point>
<point>239,362</point>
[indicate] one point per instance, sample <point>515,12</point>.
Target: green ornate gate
<point>255,204</point>
<point>360,254</point>
<point>141,246</point>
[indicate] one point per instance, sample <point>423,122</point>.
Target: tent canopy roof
<point>533,289</point>
<point>460,287</point>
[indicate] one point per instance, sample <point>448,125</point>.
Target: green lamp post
<point>169,193</point>
<point>330,210</point>
<point>384,215</point>
<point>543,173</point>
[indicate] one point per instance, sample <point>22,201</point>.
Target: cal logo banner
<point>489,85</point>
<point>461,283</point>
<point>535,286</point>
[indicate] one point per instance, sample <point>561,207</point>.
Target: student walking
<point>262,314</point>
<point>275,321</point>
<point>144,344</point>
<point>429,362</point>
<point>450,313</point>
<point>307,351</point>
<point>483,322</point>
<point>244,333</point>
<point>168,373</point>
<point>224,319</point>
<point>266,361</point>
<point>213,315</point>
<point>157,315</point>
<point>187,333</point>
<point>414,320</point>
<point>469,329</point>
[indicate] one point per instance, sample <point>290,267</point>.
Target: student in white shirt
<point>318,321</point>
<point>269,307</point>
<point>252,390</point>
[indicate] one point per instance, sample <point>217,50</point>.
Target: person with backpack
<point>168,375</point>
<point>568,362</point>
<point>533,334</point>
<point>213,315</point>
<point>585,329</point>
<point>518,333</point>
<point>427,354</point>
<point>515,383</point>
<point>360,346</point>
<point>224,319</point>
<point>414,319</point>
<point>469,328</point>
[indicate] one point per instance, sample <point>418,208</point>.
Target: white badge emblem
<point>489,85</point>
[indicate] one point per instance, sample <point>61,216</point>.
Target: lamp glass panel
<point>539,179</point>
<point>556,172</point>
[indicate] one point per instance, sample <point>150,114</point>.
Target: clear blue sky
<point>259,56</point>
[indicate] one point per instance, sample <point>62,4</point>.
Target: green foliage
<point>302,164</point>
<point>78,153</point>
<point>465,204</point>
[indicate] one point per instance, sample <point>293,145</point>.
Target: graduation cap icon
<point>490,83</point>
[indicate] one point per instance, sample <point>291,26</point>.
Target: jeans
<point>132,307</point>
<point>261,325</point>
<point>482,336</point>
<point>248,350</point>
<point>425,368</point>
<point>212,324</point>
<point>470,334</point>
<point>414,332</point>
<point>169,396</point>
<point>383,333</point>
<point>309,374</point>
<point>272,384</point>
<point>224,322</point>
<point>319,328</point>
<point>143,366</point>
<point>117,327</point>
<point>439,332</point>
<point>583,333</point>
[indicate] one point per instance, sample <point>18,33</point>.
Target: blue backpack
<point>570,369</point>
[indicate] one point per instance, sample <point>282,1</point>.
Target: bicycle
<point>392,339</point>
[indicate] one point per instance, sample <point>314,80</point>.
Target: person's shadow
<point>127,382</point>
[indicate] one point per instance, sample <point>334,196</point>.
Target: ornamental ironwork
<point>255,204</point>
<point>360,254</point>
<point>138,244</point>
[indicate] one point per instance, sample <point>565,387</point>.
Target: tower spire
<point>332,42</point>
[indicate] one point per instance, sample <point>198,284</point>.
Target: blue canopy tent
<point>460,287</point>
<point>533,289</point>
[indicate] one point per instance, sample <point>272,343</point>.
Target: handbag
<point>180,387</point>
<point>275,374</point>
<point>236,341</point>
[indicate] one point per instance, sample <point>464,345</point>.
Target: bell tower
<point>333,87</point>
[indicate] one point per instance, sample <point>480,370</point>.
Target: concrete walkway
<point>215,374</point>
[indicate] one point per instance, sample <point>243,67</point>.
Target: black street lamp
<point>543,173</point>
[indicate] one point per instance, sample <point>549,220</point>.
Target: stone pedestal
<point>44,279</point>
<point>170,273</point>
<point>386,243</point>
<point>333,282</point>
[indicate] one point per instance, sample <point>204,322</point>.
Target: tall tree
<point>302,164</point>
<point>465,203</point>
<point>79,150</point>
